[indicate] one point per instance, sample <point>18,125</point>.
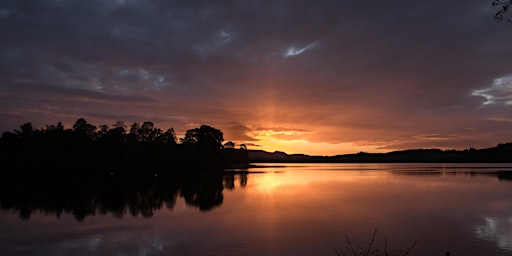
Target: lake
<point>276,209</point>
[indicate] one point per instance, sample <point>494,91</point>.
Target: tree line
<point>500,154</point>
<point>138,148</point>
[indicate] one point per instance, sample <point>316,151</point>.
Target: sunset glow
<point>323,77</point>
<point>272,144</point>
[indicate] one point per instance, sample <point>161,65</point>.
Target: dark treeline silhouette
<point>499,154</point>
<point>137,196</point>
<point>137,149</point>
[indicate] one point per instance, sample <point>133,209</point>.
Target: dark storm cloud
<point>56,92</point>
<point>348,71</point>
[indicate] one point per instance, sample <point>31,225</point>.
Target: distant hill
<point>499,154</point>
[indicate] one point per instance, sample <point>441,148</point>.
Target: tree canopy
<point>204,134</point>
<point>90,148</point>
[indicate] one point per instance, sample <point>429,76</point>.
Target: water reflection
<point>302,209</point>
<point>498,230</point>
<point>502,175</point>
<point>137,196</point>
<point>440,205</point>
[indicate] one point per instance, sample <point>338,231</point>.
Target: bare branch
<point>504,8</point>
<point>371,249</point>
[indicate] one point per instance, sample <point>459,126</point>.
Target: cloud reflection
<point>498,230</point>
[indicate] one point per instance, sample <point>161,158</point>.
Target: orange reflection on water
<point>296,178</point>
<point>306,202</point>
<point>306,209</point>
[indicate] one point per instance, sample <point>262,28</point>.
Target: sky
<point>317,77</point>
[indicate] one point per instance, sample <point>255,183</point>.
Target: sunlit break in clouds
<point>317,77</point>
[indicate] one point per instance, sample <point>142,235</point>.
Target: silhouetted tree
<point>111,146</point>
<point>148,132</point>
<point>26,129</point>
<point>133,135</point>
<point>86,150</point>
<point>58,128</point>
<point>204,146</point>
<point>103,129</point>
<point>235,158</point>
<point>119,125</point>
<point>229,145</point>
<point>168,137</point>
<point>82,128</point>
<point>204,134</point>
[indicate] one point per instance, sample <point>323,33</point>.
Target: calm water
<point>299,209</point>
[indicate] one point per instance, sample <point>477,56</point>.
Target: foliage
<point>371,249</point>
<point>204,134</point>
<point>85,147</point>
<point>229,144</point>
<point>82,128</point>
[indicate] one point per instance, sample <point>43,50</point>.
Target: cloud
<point>237,132</point>
<point>437,137</point>
<point>294,51</point>
<point>4,13</point>
<point>501,119</point>
<point>283,130</point>
<point>252,145</point>
<point>55,92</point>
<point>500,92</point>
<point>463,143</point>
<point>323,72</point>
